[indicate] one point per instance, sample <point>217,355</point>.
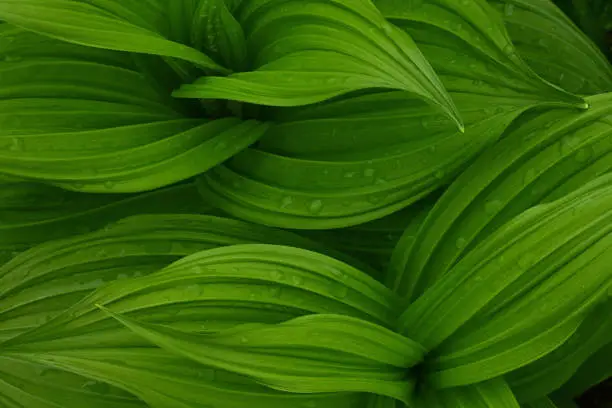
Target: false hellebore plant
<point>302,203</point>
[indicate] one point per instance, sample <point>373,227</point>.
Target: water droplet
<point>96,387</point>
<point>315,206</point>
<point>286,201</point>
<point>244,340</point>
<point>380,181</point>
<point>509,50</point>
<point>97,283</point>
<point>339,291</point>
<point>530,175</point>
<point>122,276</point>
<point>297,280</point>
<point>493,206</point>
<point>12,58</point>
<point>161,246</point>
<point>524,261</point>
<point>583,155</point>
<point>350,174</point>
<point>221,145</point>
<point>16,144</point>
<point>439,174</point>
<point>309,404</point>
<point>207,374</point>
<point>509,9</point>
<point>369,172</point>
<point>461,243</point>
<point>274,291</point>
<point>277,275</point>
<point>109,185</point>
<point>194,290</point>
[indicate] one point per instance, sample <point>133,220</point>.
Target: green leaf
<point>352,161</point>
<point>215,289</point>
<point>555,48</point>
<point>216,30</point>
<point>43,282</point>
<point>544,155</point>
<point>106,24</point>
<point>29,385</point>
<point>305,52</point>
<point>490,394</point>
<point>592,372</point>
<point>475,320</point>
<point>97,127</point>
<point>468,46</point>
<point>32,213</point>
<point>345,354</point>
<point>549,373</point>
<point>166,381</point>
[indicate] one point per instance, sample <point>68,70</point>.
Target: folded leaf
<point>309,51</point>
<point>489,394</point>
<point>110,24</point>
<point>352,161</point>
<point>544,156</point>
<point>215,289</point>
<point>43,282</point>
<point>26,384</point>
<point>342,354</point>
<point>596,369</point>
<point>518,295</point>
<point>554,47</point>
<point>549,373</point>
<point>95,126</point>
<point>468,45</point>
<point>32,213</point>
<point>165,381</point>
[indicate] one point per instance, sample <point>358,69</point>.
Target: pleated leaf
<point>352,161</point>
<point>132,26</point>
<point>519,295</point>
<point>318,353</point>
<point>490,394</point>
<point>219,288</point>
<point>93,126</point>
<point>155,377</point>
<point>544,156</point>
<point>554,47</point>
<point>549,373</point>
<point>24,384</point>
<point>46,280</point>
<point>305,52</point>
<point>467,44</point>
<point>32,213</point>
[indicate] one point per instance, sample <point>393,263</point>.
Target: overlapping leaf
<point>544,156</point>
<point>352,161</point>
<point>554,47</point>
<point>33,213</point>
<point>159,379</point>
<point>467,44</point>
<point>518,295</point>
<point>361,158</point>
<point>317,353</point>
<point>592,372</point>
<point>43,282</point>
<point>489,394</point>
<point>98,125</point>
<point>549,373</point>
<point>136,26</point>
<point>212,290</point>
<point>308,51</point>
